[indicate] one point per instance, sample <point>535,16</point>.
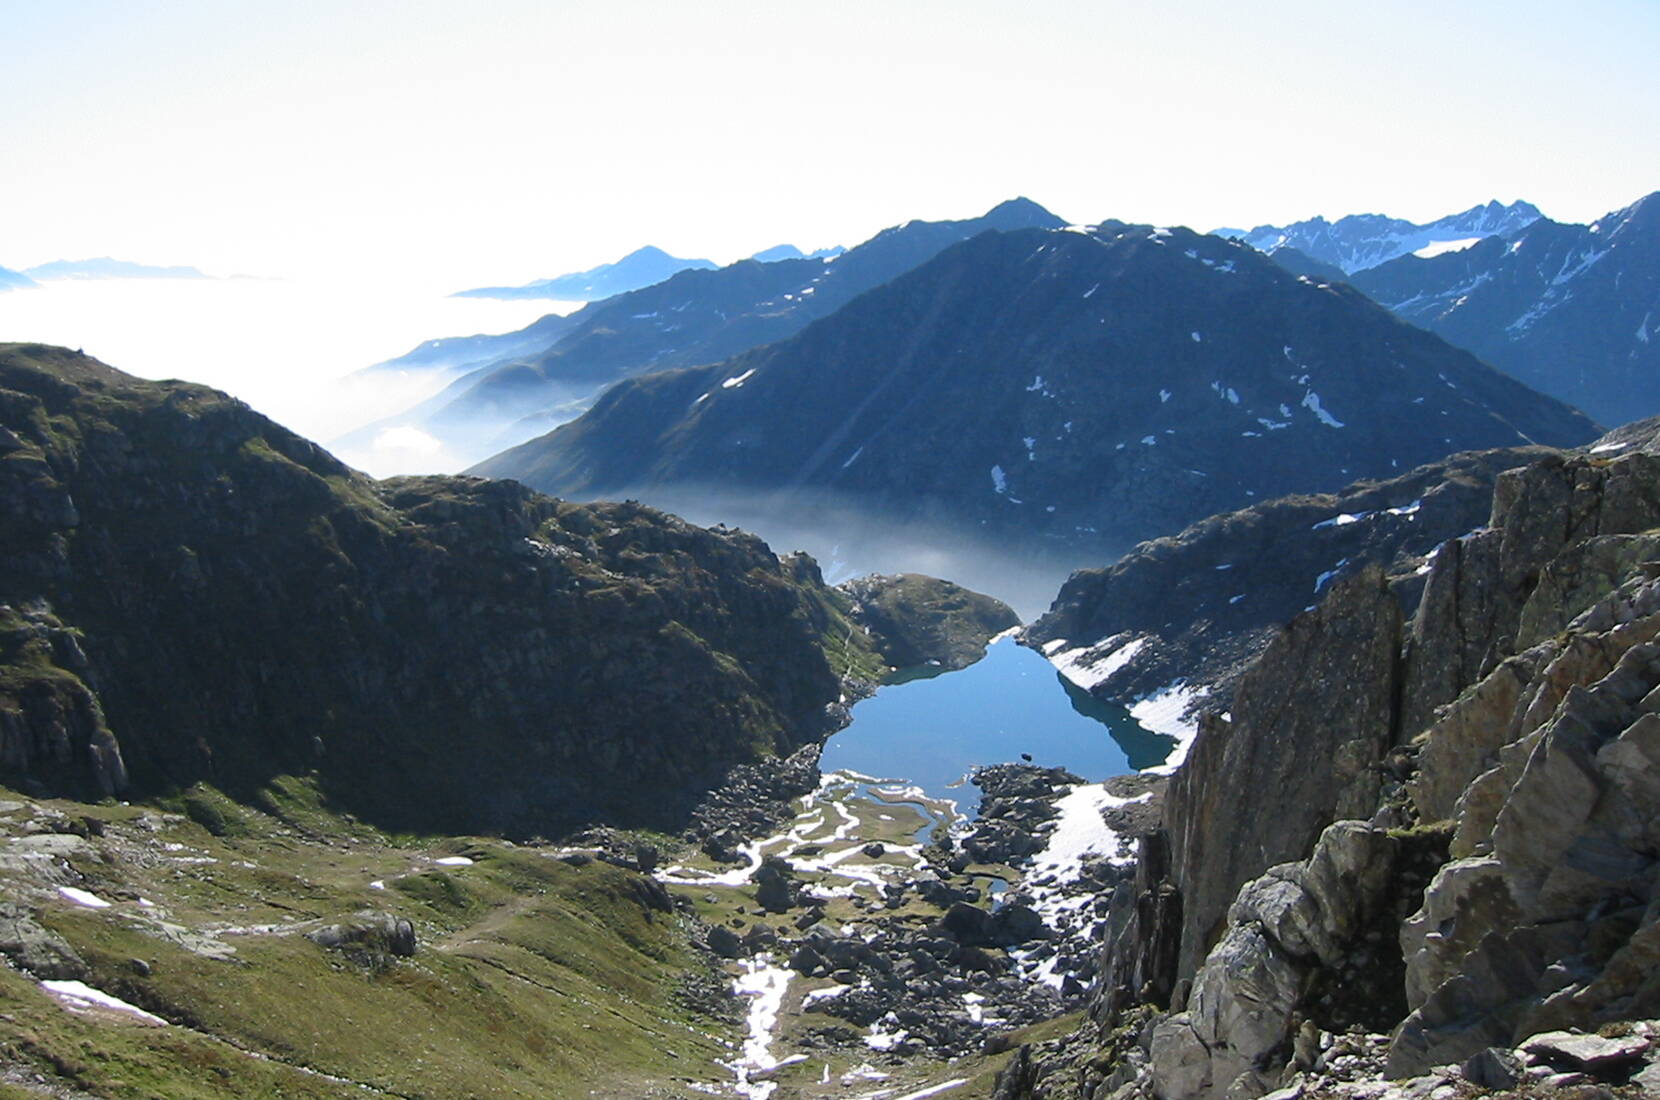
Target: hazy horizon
<point>523,140</point>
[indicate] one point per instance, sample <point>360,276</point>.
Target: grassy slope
<point>532,978</point>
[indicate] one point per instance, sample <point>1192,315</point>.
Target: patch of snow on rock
<point>1165,711</point>
<point>766,984</point>
<point>1440,248</point>
<point>1090,666</point>
<point>83,898</point>
<point>1311,402</point>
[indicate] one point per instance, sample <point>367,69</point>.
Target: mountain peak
<point>1022,213</point>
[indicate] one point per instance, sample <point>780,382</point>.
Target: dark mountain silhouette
<point>1057,387</point>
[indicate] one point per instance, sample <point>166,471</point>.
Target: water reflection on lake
<point>930,728</point>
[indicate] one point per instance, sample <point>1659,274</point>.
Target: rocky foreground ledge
<point>1417,841</point>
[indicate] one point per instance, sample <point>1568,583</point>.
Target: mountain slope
<point>1057,386</point>
<point>188,592</point>
<point>1197,607</point>
<point>1361,241</point>
<point>694,317</point>
<point>460,353</point>
<point>642,267</point>
<point>1572,310</point>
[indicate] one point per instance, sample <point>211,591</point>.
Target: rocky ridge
<point>1198,607</point>
<point>189,593</point>
<point>1571,310</point>
<point>1461,850</point>
<point>1360,241</point>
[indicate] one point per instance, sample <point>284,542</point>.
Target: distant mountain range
<point>1360,241</point>
<point>791,252</point>
<point>463,352</point>
<point>642,267</point>
<point>695,316</point>
<point>1055,388</point>
<point>1571,310</point>
<point>13,280</point>
<point>106,268</point>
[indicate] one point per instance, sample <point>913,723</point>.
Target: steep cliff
<point>1440,831</point>
<point>189,592</point>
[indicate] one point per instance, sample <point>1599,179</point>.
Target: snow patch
<point>1320,581</point>
<point>1441,248</point>
<point>999,480</point>
<point>1164,711</point>
<point>80,997</point>
<point>453,861</point>
<point>734,383</point>
<point>81,897</point>
<point>766,984</point>
<point>1090,666</point>
<point>1311,402</point>
<point>1164,395</point>
<point>933,1090</point>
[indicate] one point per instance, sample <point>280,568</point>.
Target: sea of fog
<point>288,347</point>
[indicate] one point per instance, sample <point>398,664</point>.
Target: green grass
<point>531,977</point>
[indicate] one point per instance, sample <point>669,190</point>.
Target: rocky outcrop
<point>191,593</point>
<point>1310,723</point>
<point>370,938</point>
<point>924,620</point>
<point>51,723</point>
<point>1481,780</point>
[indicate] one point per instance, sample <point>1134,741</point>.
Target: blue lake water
<point>931,731</point>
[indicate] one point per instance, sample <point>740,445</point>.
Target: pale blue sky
<point>502,141</point>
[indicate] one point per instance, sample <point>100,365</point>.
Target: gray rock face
<point>1283,929</point>
<point>369,937</point>
<point>1556,924</point>
<point>1513,723</point>
<point>1312,719</point>
<point>34,949</point>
